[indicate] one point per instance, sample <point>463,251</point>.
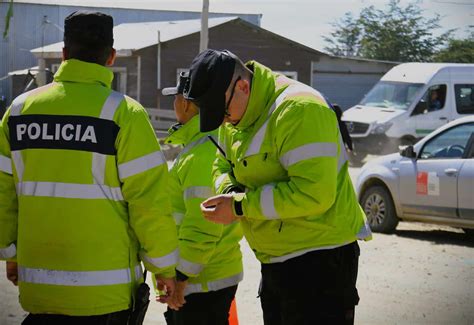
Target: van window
<point>386,94</point>
<point>464,98</point>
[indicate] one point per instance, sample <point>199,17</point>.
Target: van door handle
<point>451,171</point>
<point>442,118</point>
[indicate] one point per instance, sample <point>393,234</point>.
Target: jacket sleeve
<point>144,175</point>
<point>306,139</point>
<point>223,177</point>
<point>198,237</point>
<point>8,198</point>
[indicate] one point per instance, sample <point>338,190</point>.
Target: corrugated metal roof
<point>135,36</point>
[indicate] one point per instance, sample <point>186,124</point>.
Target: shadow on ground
<point>439,237</point>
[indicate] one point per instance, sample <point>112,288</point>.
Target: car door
<point>432,111</point>
<point>466,185</point>
<point>429,184</point>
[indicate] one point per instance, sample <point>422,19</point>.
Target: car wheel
<point>379,209</point>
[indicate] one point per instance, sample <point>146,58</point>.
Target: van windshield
<point>386,94</point>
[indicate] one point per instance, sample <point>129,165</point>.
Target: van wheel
<point>379,209</point>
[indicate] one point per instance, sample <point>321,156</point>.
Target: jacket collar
<point>73,70</point>
<point>261,94</point>
<point>183,134</point>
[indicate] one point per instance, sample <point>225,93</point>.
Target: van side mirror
<point>420,108</point>
<point>408,152</point>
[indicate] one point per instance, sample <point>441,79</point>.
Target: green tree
<point>457,51</point>
<point>345,39</point>
<point>396,34</point>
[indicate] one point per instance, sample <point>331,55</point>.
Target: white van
<point>410,101</point>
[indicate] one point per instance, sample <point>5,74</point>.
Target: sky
<point>307,21</point>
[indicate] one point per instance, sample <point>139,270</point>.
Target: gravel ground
<point>422,274</point>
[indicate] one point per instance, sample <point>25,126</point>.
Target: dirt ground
<point>422,274</point>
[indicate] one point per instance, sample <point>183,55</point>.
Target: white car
<point>431,181</point>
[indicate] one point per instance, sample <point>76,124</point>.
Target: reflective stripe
<point>342,155</point>
<point>73,278</point>
<point>214,285</point>
<point>307,151</point>
<point>164,261</point>
<point>266,202</point>
<point>202,192</point>
<point>69,190</point>
<point>178,217</point>
<point>19,102</point>
<point>219,181</point>
<point>364,231</point>
<point>138,272</point>
<point>18,162</point>
<point>299,253</point>
<point>111,104</point>
<point>191,145</point>
<point>140,165</point>
<point>6,165</point>
<point>257,140</point>
<point>8,252</point>
<point>98,167</point>
<point>189,267</point>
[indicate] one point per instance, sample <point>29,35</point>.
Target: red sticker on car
<point>422,183</point>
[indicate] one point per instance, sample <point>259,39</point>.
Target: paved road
<point>422,274</point>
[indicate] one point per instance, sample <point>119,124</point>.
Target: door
<point>429,184</point>
<point>432,111</point>
<point>466,185</point>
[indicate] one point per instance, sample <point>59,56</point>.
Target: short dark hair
<point>87,53</point>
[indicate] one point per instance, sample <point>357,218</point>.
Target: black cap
<point>209,77</point>
<point>89,28</point>
<point>183,79</point>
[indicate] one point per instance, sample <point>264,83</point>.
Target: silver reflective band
<point>178,217</point>
<point>364,231</point>
<point>342,155</point>
<point>299,253</point>
<point>202,192</point>
<point>111,104</point>
<point>98,167</point>
<point>73,278</point>
<point>164,261</point>
<point>219,181</point>
<point>5,165</point>
<point>18,162</point>
<point>308,151</point>
<point>186,266</point>
<point>214,285</point>
<point>19,102</point>
<point>267,204</point>
<point>70,191</point>
<point>8,252</point>
<point>141,164</point>
<point>138,272</point>
<point>191,145</point>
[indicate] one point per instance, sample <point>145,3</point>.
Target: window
<point>120,79</point>
<point>449,144</point>
<point>464,98</point>
<point>290,74</point>
<point>387,94</point>
<point>55,67</point>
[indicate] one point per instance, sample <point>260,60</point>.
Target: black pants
<point>316,288</point>
<point>118,318</point>
<point>206,308</point>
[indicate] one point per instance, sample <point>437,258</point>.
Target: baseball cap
<point>89,28</point>
<point>183,79</point>
<point>209,77</point>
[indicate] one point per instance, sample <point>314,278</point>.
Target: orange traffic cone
<point>233,318</point>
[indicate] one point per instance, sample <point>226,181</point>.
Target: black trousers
<point>204,308</point>
<point>118,318</point>
<point>318,287</point>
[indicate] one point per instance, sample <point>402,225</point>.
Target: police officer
<point>82,190</point>
<point>210,261</point>
<point>299,211</point>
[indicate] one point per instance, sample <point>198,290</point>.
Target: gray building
<point>36,23</point>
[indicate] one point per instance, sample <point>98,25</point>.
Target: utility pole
<point>204,26</point>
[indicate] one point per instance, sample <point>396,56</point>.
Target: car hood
<point>387,160</point>
<point>366,114</point>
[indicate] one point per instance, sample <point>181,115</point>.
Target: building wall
<point>28,30</point>
<point>345,81</point>
<point>246,42</point>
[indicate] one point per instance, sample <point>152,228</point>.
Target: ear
<point>111,58</point>
<point>244,86</point>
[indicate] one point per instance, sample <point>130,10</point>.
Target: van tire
<point>378,206</point>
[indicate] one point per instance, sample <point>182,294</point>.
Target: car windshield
<point>386,94</point>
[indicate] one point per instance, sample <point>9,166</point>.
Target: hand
<point>12,272</point>
<point>218,209</point>
<point>167,288</point>
<point>180,287</point>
